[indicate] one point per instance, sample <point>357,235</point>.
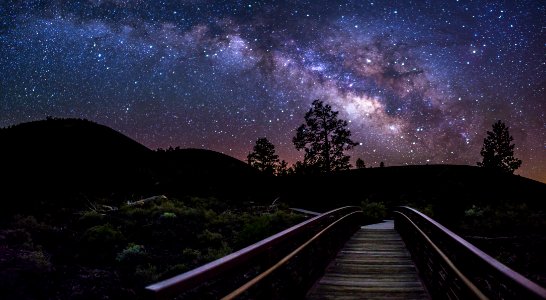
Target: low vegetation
<point>113,252</point>
<point>374,212</point>
<point>511,233</point>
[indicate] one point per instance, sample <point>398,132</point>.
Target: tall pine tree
<point>263,156</point>
<point>497,152</point>
<point>324,138</point>
<point>360,163</point>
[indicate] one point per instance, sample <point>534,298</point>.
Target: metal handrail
<point>470,286</point>
<point>238,292</point>
<point>530,288</point>
<point>188,280</point>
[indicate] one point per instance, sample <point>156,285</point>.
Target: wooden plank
<point>373,264</point>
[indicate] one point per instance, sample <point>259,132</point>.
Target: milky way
<point>419,82</point>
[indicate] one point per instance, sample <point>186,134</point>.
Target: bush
<point>254,230</point>
<point>192,256</point>
<point>209,238</point>
<point>101,263</point>
<point>30,223</point>
<point>146,274</point>
<point>19,237</point>
<point>374,212</point>
<point>91,218</point>
<point>209,203</point>
<point>174,270</point>
<point>168,218</point>
<point>25,274</point>
<point>262,226</point>
<point>474,211</point>
<point>37,259</point>
<point>428,210</point>
<point>215,253</point>
<point>168,215</point>
<point>99,243</point>
<point>131,253</point>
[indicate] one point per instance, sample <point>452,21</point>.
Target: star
<point>173,75</point>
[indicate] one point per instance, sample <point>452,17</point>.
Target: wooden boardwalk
<point>373,264</point>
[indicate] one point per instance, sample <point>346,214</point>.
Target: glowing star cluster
<point>418,82</point>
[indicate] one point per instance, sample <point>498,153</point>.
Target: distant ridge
<point>68,136</point>
<point>60,158</point>
<point>207,172</point>
<point>208,162</point>
<point>55,161</point>
<point>447,186</point>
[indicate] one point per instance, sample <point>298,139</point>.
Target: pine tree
<point>282,168</point>
<point>263,156</point>
<point>324,137</point>
<point>360,163</point>
<point>497,152</point>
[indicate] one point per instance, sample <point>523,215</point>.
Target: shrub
<point>99,243</point>
<point>30,224</point>
<point>209,238</point>
<point>374,212</point>
<point>131,252</point>
<point>428,210</point>
<point>104,234</point>
<point>174,270</point>
<point>262,226</point>
<point>167,218</point>
<point>215,253</point>
<point>147,273</point>
<point>208,203</point>
<point>168,215</point>
<point>474,211</point>
<point>254,230</point>
<point>37,259</point>
<point>91,218</point>
<point>192,256</point>
<point>19,237</point>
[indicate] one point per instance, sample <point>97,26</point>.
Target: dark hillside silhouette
<point>203,162</point>
<point>206,173</point>
<point>450,188</point>
<point>61,157</point>
<point>60,160</point>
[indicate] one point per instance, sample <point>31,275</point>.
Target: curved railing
<point>452,268</point>
<point>285,264</point>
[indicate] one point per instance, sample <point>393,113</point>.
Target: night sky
<point>419,82</point>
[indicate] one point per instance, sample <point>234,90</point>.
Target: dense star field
<point>419,82</point>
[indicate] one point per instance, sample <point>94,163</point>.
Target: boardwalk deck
<point>373,264</point>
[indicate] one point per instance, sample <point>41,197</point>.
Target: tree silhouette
<point>381,164</point>
<point>300,168</point>
<point>497,152</point>
<point>360,163</point>
<point>263,156</point>
<point>282,168</point>
<point>324,138</point>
